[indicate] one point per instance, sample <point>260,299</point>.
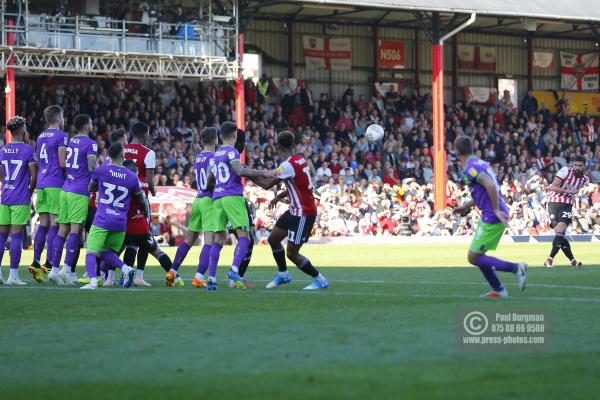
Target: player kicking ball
<point>18,177</point>
<point>115,185</point>
<point>296,223</point>
<point>480,178</point>
<point>561,196</point>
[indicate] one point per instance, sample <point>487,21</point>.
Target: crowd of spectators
<point>383,188</point>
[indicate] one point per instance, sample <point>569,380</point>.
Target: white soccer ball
<point>374,133</point>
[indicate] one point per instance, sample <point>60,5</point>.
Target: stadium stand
<point>382,189</point>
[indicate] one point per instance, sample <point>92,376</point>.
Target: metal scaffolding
<point>81,63</point>
<point>202,49</point>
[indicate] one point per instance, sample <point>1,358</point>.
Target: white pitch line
<point>524,297</point>
<point>323,293</point>
<point>433,283</point>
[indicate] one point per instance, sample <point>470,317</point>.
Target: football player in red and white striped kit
<point>561,196</point>
<point>296,223</point>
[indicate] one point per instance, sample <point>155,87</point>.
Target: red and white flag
<point>327,53</point>
<point>579,72</point>
<point>543,60</point>
<point>478,58</point>
<point>480,95</point>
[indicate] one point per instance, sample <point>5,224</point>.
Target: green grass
<point>385,329</point>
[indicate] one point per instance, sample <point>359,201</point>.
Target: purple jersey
<point>78,174</point>
<point>227,183</point>
<point>15,158</point>
<point>50,174</point>
<point>116,185</point>
<point>203,165</point>
<point>476,166</point>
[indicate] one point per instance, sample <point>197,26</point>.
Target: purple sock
<point>16,247</point>
<point>103,266</point>
<point>215,252</point>
<point>59,244</point>
<point>182,251</point>
<point>72,249</point>
<point>52,233</point>
<point>487,269</point>
<point>90,265</point>
<point>111,258</point>
<point>75,258</point>
<point>3,237</point>
<point>240,251</point>
<point>497,264</point>
<point>204,259</point>
<point>38,242</point>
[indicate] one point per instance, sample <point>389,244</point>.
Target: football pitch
<point>385,329</point>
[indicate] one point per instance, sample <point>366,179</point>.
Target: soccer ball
<point>374,133</point>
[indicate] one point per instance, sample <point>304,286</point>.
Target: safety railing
<point>194,39</point>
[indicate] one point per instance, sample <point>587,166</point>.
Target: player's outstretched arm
<point>33,172</point>
<point>266,183</point>
<point>465,208</point>
<point>240,170</point>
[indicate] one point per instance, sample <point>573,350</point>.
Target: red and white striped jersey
<point>296,175</point>
<point>568,181</point>
<point>144,158</point>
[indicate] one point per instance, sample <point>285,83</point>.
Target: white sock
<point>111,274</point>
<point>199,276</point>
<point>73,275</point>
<point>212,279</point>
<point>56,269</point>
<point>321,277</point>
<point>140,273</point>
<point>235,269</point>
<point>126,268</point>
<point>65,269</point>
<point>94,281</point>
<point>284,273</point>
<point>103,276</point>
<point>13,274</point>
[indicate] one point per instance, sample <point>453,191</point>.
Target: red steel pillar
<point>437,95</point>
<point>9,89</point>
<point>438,126</point>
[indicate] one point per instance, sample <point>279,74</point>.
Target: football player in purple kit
<point>115,185</point>
<point>202,218</point>
<point>228,200</point>
<point>50,147</point>
<point>480,178</point>
<point>74,199</point>
<point>18,177</point>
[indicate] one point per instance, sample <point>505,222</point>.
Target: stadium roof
<point>581,10</point>
<point>554,18</point>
